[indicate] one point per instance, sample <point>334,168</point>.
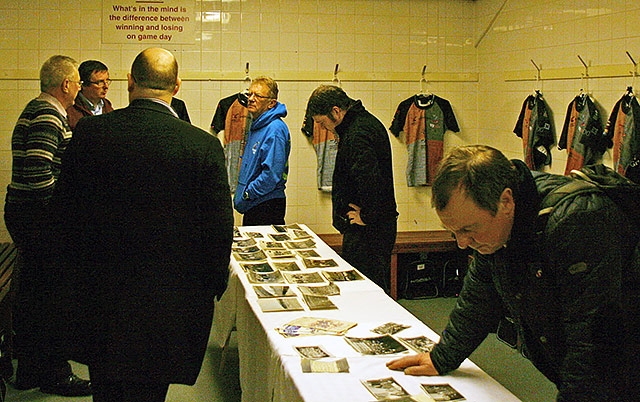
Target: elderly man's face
<point>259,100</point>
<point>476,227</point>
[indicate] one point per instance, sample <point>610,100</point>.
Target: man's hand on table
<point>419,364</point>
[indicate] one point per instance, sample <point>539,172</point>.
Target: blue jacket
<point>265,161</point>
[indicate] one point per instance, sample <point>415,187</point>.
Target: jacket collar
<point>527,200</point>
<point>351,114</point>
<point>153,104</point>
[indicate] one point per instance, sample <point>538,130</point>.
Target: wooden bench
<point>426,241</point>
<point>8,255</point>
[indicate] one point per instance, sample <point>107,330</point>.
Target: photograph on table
<point>320,290</point>
<point>303,277</point>
<point>319,326</point>
<point>279,253</point>
<point>389,328</point>
<point>300,234</point>
<point>442,392</point>
<point>286,266</point>
<point>300,244</point>
<point>420,344</point>
<point>265,277</point>
<point>273,245</point>
<point>279,236</point>
<point>265,292</point>
<point>280,304</point>
<point>318,302</point>
<point>243,243</point>
<point>254,235</point>
<point>343,276</point>
<point>312,352</point>
<point>257,267</point>
<point>251,256</point>
<point>308,253</point>
<point>319,262</point>
<point>385,389</point>
<point>378,345</point>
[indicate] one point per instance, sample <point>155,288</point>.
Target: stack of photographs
<point>316,326</point>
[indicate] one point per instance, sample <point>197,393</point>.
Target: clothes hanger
<point>424,97</point>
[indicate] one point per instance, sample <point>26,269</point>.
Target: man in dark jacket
<point>92,98</point>
<point>364,204</point>
<point>563,289</point>
<point>144,242</point>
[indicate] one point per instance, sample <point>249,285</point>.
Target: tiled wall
<point>284,38</point>
<point>555,35</point>
<point>296,39</point>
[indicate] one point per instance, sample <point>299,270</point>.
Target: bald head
<point>154,73</point>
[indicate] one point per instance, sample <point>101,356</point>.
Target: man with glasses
<point>263,173</point>
<point>92,98</point>
<point>39,139</point>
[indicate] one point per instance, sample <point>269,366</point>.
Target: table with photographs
<point>300,341</point>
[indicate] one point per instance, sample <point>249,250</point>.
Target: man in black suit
<point>144,244</point>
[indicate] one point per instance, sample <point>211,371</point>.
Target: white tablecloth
<point>270,368</point>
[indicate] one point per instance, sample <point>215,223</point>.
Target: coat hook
<point>537,68</point>
<point>423,79</point>
<point>336,80</point>
<point>635,64</point>
<point>247,78</point>
<point>585,76</point>
<point>586,67</point>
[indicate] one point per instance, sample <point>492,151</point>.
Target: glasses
<point>101,84</point>
<point>79,82</point>
<point>250,94</point>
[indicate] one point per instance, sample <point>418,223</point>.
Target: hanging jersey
<point>624,127</point>
<point>582,134</point>
<point>423,119</point>
<point>325,145</point>
<point>233,118</point>
<point>535,129</point>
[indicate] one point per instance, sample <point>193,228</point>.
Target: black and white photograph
<point>265,277</point>
<point>271,291</point>
<point>318,302</point>
<point>379,345</point>
<point>330,289</point>
<point>342,276</point>
<point>303,277</point>
<point>280,304</point>
<point>385,389</point>
<point>442,392</point>
<point>319,262</point>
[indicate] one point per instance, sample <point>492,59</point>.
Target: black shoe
<point>23,385</point>
<point>69,386</point>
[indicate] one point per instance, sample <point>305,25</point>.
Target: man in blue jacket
<point>263,174</point>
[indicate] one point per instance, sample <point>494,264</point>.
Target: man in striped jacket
<point>39,139</point>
